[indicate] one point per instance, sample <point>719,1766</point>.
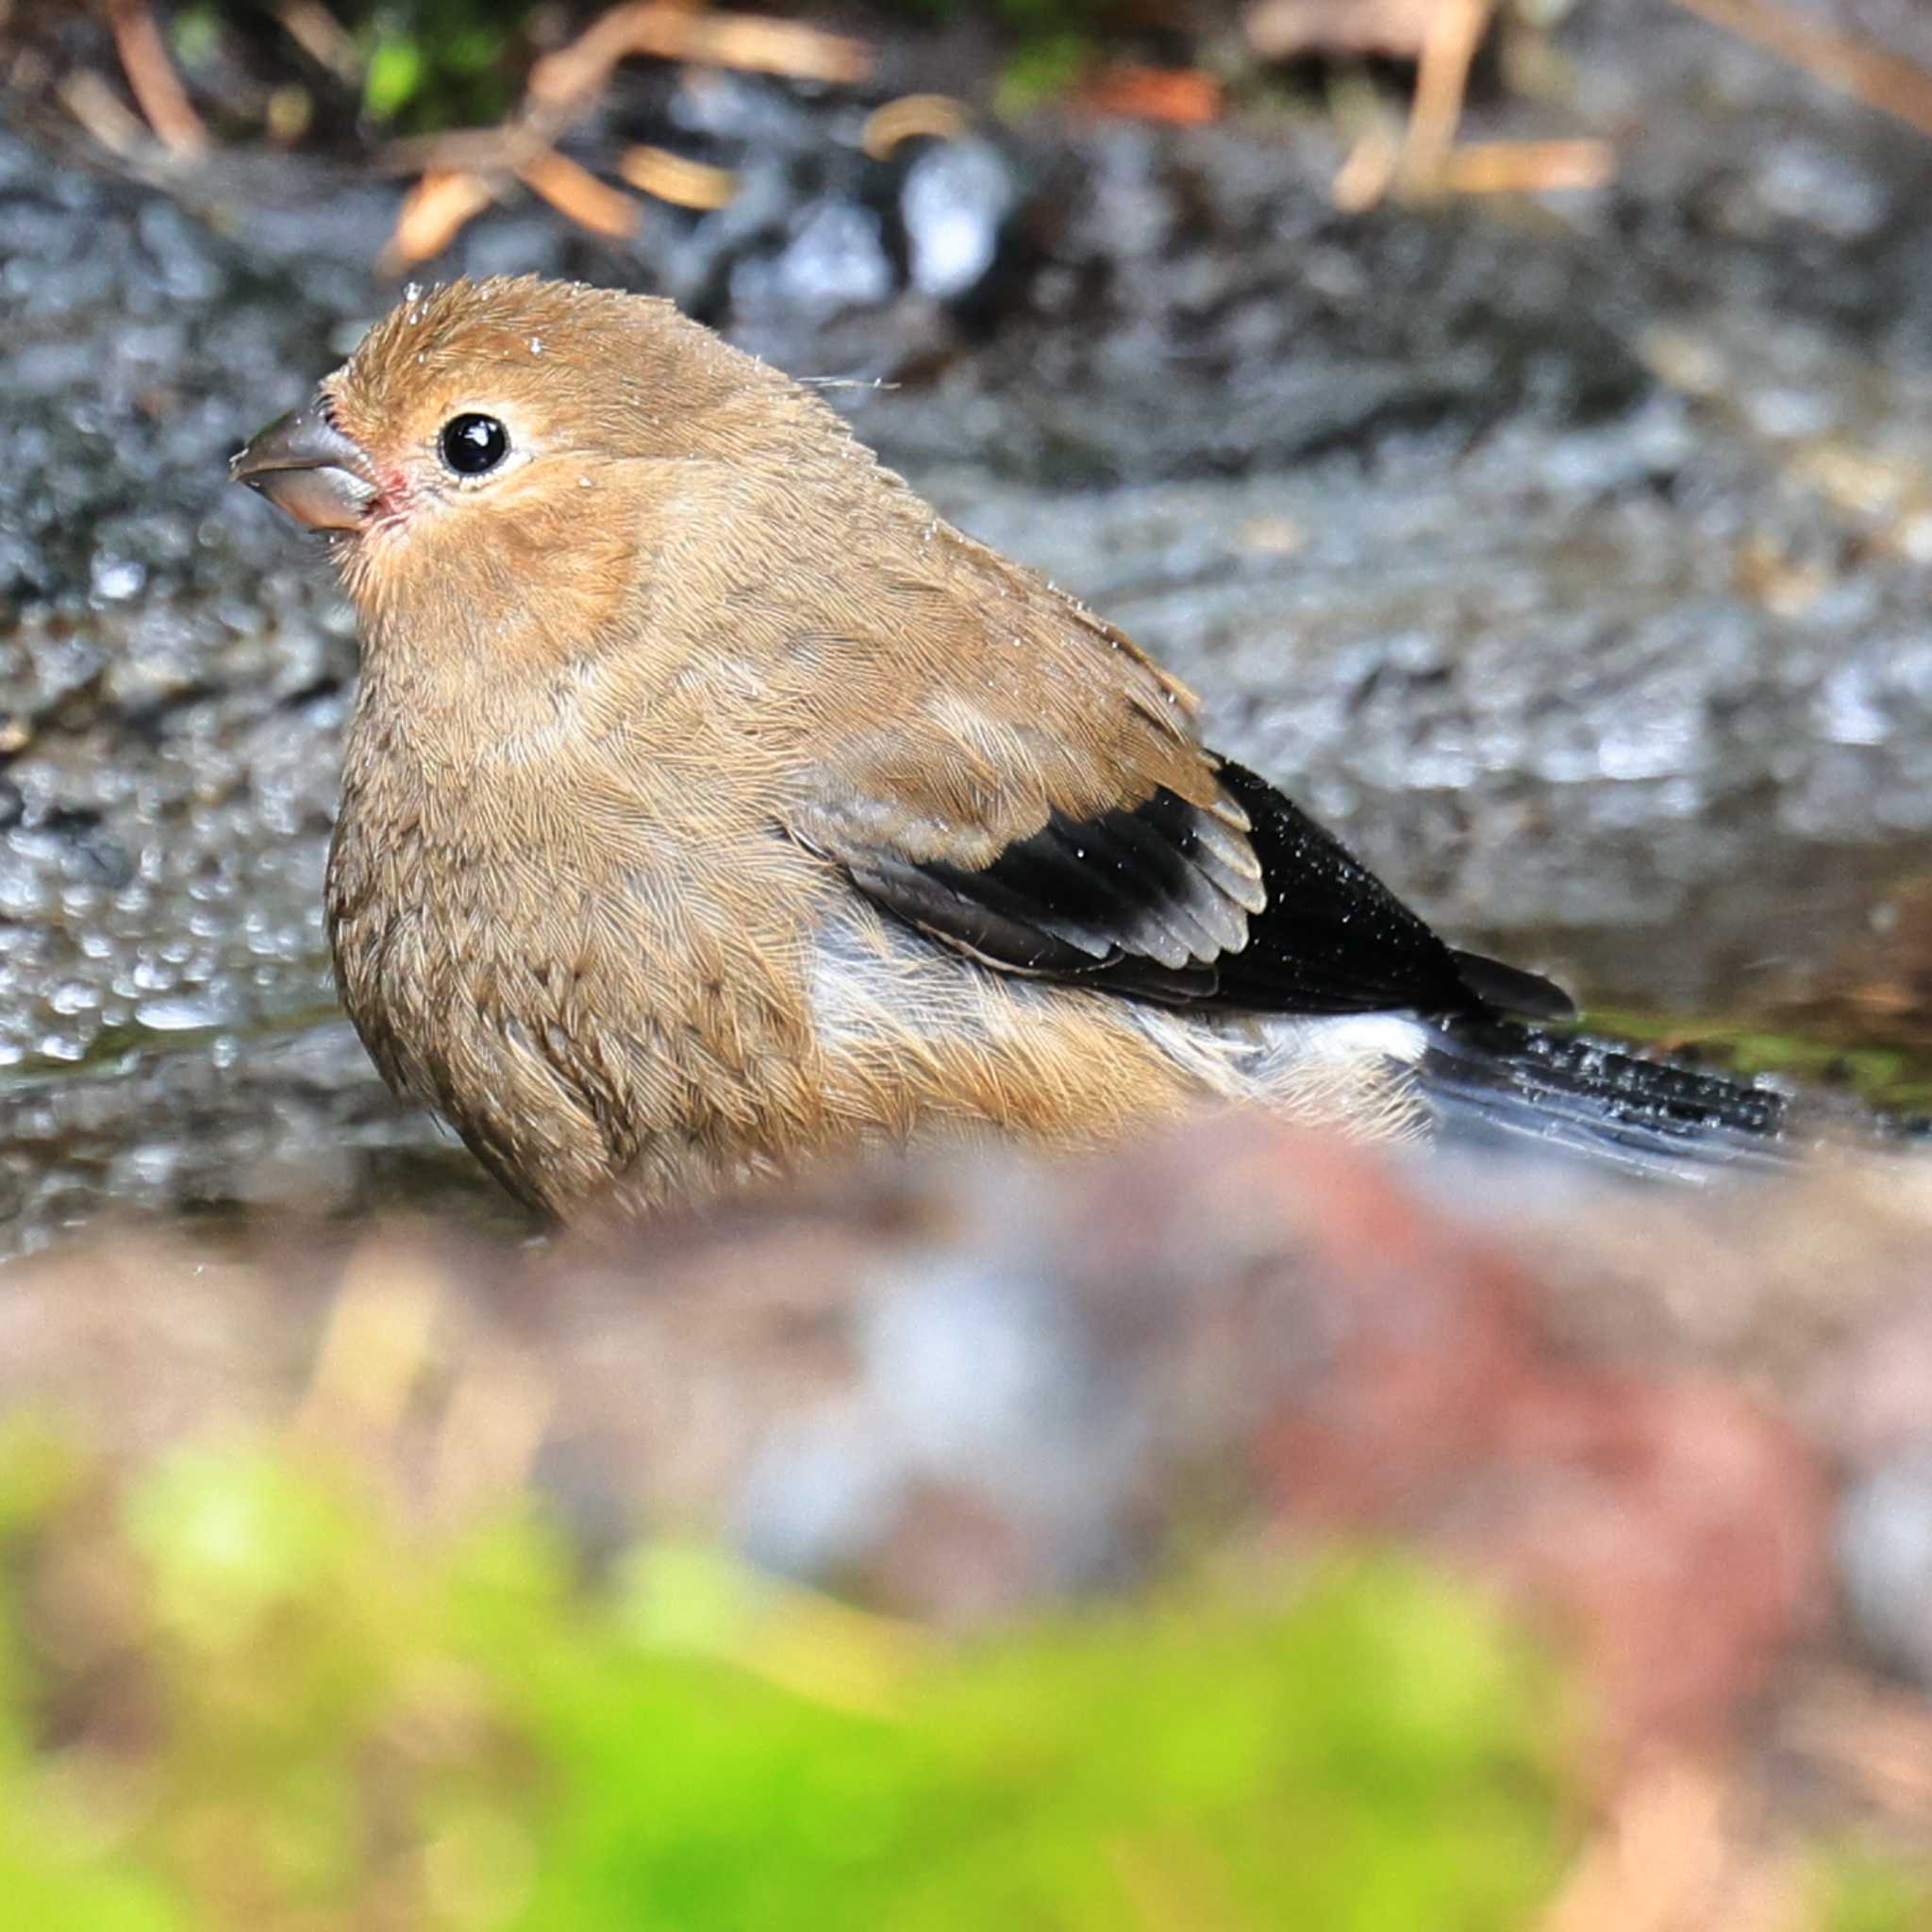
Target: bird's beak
<point>305,466</point>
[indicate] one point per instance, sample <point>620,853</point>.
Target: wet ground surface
<point>1571,560</point>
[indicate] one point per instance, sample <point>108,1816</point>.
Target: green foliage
<point>1866,1893</point>
<point>435,63</point>
<point>239,1692</point>
<point>195,31</point>
<point>285,1710</point>
<point>1040,67</point>
<point>426,64</point>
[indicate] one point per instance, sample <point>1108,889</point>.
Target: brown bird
<point>712,806</point>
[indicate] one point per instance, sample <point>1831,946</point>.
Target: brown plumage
<point>711,805</point>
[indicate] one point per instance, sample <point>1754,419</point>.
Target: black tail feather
<point>1510,989</point>
<point>1494,1083</point>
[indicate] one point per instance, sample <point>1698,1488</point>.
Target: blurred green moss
<point>440,62</point>
<point>236,1691</point>
<point>264,1703</point>
<point>1864,1893</point>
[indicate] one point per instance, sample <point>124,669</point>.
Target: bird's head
<point>485,459</point>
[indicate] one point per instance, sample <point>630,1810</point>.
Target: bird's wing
<point>1043,804</point>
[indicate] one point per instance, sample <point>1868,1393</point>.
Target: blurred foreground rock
<point>958,1390</point>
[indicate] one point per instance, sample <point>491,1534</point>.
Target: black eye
<point>473,445</point>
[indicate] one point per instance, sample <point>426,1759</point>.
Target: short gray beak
<point>305,466</point>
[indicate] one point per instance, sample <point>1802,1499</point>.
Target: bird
<point>711,807</point>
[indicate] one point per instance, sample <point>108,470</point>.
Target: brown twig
<point>677,178</point>
<point>1426,161</point>
<point>103,113</point>
<point>575,192</point>
<point>573,76</point>
<point>1367,172</point>
<point>433,214</point>
<point>938,116</point>
<point>1377,164</point>
<point>1883,80</point>
<point>500,150</point>
<point>1283,29</point>
<point>468,165</point>
<point>1373,168</point>
<point>321,37</point>
<point>152,80</point>
<point>1455,31</point>
<point>1526,167</point>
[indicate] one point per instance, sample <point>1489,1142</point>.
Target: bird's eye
<point>473,445</point>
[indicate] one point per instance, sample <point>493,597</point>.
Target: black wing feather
<point>1150,902</point>
<point>1335,939</point>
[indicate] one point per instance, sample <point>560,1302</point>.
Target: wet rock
<point>836,260</point>
<point>1803,181</point>
<point>954,203</point>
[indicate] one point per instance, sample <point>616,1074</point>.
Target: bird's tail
<point>1494,1083</point>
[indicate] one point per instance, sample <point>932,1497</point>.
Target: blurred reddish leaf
<point>1182,96</point>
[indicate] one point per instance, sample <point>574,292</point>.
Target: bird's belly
<point>916,1038</point>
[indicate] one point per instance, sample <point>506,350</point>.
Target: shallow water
<point>1572,563</point>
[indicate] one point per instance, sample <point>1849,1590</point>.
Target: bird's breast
<point>591,994</point>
